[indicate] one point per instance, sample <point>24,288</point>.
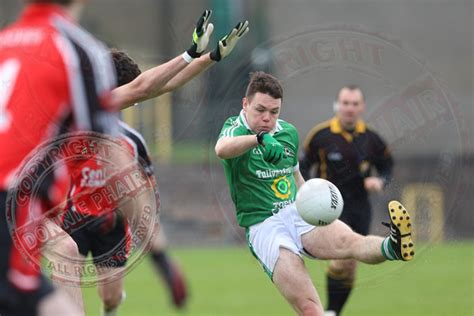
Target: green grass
<point>228,281</point>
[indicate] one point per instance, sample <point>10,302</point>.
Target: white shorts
<point>283,229</point>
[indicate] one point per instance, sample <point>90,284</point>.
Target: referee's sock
<point>338,293</point>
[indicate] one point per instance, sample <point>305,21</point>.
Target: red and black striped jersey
<point>91,177</point>
<point>54,77</point>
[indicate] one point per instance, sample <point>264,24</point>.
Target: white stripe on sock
<point>385,247</point>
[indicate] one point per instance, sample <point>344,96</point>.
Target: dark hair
<point>125,67</point>
<point>264,83</point>
<point>350,87</point>
<point>62,2</point>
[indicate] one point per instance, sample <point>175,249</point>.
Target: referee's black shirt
<point>345,157</point>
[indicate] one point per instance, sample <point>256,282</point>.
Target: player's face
<point>350,107</point>
<point>262,112</point>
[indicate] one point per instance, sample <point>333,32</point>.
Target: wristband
<point>260,137</point>
<point>187,58</point>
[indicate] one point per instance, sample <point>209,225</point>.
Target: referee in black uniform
<point>345,151</point>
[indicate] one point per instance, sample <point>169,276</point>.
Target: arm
<point>306,164</point>
<point>231,147</point>
<point>383,163</point>
<point>149,84</point>
<point>196,67</point>
<point>172,75</point>
<point>309,159</point>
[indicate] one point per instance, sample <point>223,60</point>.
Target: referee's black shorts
<point>13,301</point>
<point>109,248</point>
<point>357,213</point>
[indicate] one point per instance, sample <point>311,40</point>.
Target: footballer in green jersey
<point>259,188</point>
<point>259,153</point>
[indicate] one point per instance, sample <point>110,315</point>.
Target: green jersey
<point>260,189</point>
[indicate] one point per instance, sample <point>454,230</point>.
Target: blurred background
<point>412,59</point>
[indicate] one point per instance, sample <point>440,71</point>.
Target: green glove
<point>201,35</point>
<point>273,151</point>
<point>228,42</point>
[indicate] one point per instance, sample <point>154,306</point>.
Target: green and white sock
<point>387,249</point>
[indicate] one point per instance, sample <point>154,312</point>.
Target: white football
<point>319,202</point>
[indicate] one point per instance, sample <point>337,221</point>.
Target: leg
<point>111,264</point>
<point>340,279</point>
<point>43,300</point>
<point>57,251</point>
<point>111,290</point>
<point>169,270</point>
<point>338,241</point>
<point>276,243</point>
<point>340,274</point>
<point>58,304</point>
<point>294,283</point>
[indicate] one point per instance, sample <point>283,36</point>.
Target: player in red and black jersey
<point>49,86</point>
<point>96,227</point>
<point>346,152</point>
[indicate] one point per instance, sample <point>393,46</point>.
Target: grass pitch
<point>229,281</point>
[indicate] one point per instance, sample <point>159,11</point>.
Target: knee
<point>68,247</point>
<point>346,241</point>
<point>308,307</point>
<point>343,269</point>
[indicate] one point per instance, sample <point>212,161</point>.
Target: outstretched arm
<point>196,67</point>
<point>151,83</point>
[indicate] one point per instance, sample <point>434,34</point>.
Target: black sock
<point>338,292</point>
<point>162,264</point>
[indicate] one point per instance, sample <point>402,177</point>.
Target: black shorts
<point>108,248</point>
<point>13,301</point>
<point>358,215</point>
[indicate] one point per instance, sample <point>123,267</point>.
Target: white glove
<point>228,42</point>
<point>201,35</point>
